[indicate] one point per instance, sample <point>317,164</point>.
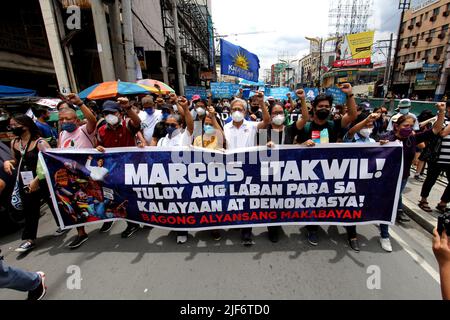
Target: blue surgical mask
<point>404,111</point>
<point>209,129</point>
<point>150,111</point>
<point>69,126</point>
<point>164,116</point>
<point>170,130</point>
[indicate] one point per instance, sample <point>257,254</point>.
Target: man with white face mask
<point>404,108</point>
<point>240,133</point>
<point>118,132</point>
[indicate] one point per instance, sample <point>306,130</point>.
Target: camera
<point>444,223</point>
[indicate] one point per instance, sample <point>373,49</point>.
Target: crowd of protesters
<point>172,121</point>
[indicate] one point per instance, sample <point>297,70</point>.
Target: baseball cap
<point>196,97</point>
<point>404,104</point>
<point>364,106</point>
<point>111,106</point>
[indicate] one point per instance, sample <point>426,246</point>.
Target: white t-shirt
<point>183,139</point>
<point>148,123</point>
<point>78,139</point>
<point>97,173</point>
<point>242,137</point>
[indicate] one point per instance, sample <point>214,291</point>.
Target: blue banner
<point>279,93</point>
<point>190,91</point>
<point>238,62</point>
<point>311,93</point>
<point>338,96</point>
<point>191,189</point>
<point>224,90</point>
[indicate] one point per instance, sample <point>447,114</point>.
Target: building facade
<point>423,43</point>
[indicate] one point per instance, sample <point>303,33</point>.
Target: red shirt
<point>122,136</point>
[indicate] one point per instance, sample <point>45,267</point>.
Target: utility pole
<point>117,40</point>
<point>387,73</point>
<point>55,46</point>
<point>103,44</point>
<point>128,39</point>
<point>65,46</point>
<point>320,62</point>
<point>403,5</point>
<point>181,78</point>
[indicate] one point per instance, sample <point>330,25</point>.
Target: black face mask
<point>323,114</point>
<point>255,109</point>
<point>18,131</point>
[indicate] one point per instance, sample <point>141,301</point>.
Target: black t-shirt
<point>334,131</point>
<point>287,136</point>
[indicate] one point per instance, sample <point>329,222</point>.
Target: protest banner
<point>198,189</point>
<point>190,91</point>
<point>339,97</point>
<point>224,90</point>
<point>279,93</point>
<point>311,93</point>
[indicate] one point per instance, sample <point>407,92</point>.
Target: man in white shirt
<point>99,172</point>
<point>149,118</point>
<point>241,133</point>
<point>405,107</point>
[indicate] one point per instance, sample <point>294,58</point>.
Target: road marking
<point>425,265</point>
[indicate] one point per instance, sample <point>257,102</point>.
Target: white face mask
<point>226,104</point>
<point>112,119</point>
<point>278,120</point>
<point>201,112</point>
<point>366,132</point>
<point>237,116</point>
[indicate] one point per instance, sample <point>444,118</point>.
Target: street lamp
<point>321,43</point>
<point>288,63</point>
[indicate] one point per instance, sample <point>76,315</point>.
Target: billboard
<point>354,50</point>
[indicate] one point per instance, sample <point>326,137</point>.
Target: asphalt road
<point>150,265</point>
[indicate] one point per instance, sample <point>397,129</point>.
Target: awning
<point>7,91</point>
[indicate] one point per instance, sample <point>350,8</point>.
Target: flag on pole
<point>238,62</point>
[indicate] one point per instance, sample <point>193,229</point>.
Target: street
<point>150,265</point>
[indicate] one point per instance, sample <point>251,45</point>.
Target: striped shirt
<point>444,153</point>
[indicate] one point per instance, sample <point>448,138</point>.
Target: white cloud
<point>290,22</point>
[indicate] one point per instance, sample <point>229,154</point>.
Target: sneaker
<point>181,239</point>
<point>78,241</point>
<point>247,242</point>
<point>313,239</point>
<point>26,246</point>
<point>216,235</point>
<point>274,235</point>
<point>40,291</point>
<point>129,231</point>
<point>60,232</point>
<point>386,244</point>
<point>354,244</point>
<point>106,227</point>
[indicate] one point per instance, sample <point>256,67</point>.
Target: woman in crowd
<point>25,149</point>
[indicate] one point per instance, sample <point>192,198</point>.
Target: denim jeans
<point>17,279</point>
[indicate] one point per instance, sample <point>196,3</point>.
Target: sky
<point>285,24</point>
